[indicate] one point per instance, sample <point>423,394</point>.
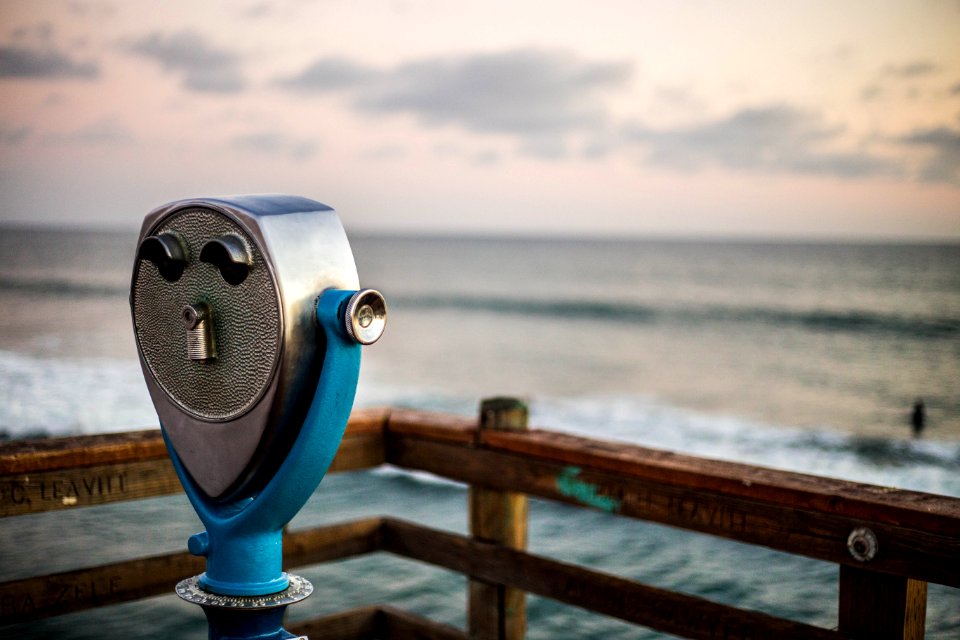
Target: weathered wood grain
<point>47,454</point>
<point>790,527</point>
<point>358,451</point>
<point>67,488</point>
<point>332,542</point>
<point>879,606</point>
<point>918,534</point>
<point>82,471</point>
<point>436,426</point>
<point>497,611</point>
<point>44,596</point>
<point>933,513</point>
<point>666,611</point>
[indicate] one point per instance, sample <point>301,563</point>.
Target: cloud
<point>330,74</point>
<point>14,136</point>
<point>546,147</point>
<point>384,153</point>
<point>204,68</point>
<point>107,131</point>
<point>555,103</point>
<point>483,157</point>
<point>39,32</point>
<point>678,98</point>
<point>523,92</point>
<point>486,158</point>
<point>900,81</point>
<point>914,69</point>
<point>519,92</point>
<point>275,143</point>
<point>258,10</point>
<point>871,92</point>
<point>47,62</point>
<point>775,139</point>
<point>944,163</point>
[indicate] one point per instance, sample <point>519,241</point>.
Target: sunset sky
<point>742,118</point>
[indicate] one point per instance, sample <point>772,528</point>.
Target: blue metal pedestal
<point>244,590</point>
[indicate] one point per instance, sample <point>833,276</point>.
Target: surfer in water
<point>918,418</point>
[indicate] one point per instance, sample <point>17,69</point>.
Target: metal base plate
<point>299,589</point>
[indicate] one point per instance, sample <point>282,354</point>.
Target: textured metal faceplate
<point>246,323</point>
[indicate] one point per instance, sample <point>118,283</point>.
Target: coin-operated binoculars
<point>249,322</point>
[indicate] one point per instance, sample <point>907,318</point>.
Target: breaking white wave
<point>53,397</point>
<point>921,465</point>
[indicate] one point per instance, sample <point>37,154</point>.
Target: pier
<point>887,543</point>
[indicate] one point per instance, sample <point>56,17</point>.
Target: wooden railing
<point>917,534</point>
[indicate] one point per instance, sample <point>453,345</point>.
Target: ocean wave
<point>560,309</point>
<point>56,397</point>
<point>46,397</point>
<point>885,452</point>
<point>853,321</point>
<point>619,311</point>
<point>416,478</point>
<point>920,465</point>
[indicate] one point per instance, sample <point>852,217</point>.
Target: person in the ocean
<point>918,419</point>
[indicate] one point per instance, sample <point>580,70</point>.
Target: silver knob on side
<point>366,316</point>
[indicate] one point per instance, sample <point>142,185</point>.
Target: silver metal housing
<point>304,250</point>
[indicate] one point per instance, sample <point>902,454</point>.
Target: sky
<point>744,118</point>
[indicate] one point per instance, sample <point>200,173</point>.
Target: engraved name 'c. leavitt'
<point>68,490</point>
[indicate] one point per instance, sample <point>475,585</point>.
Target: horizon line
<point>521,235</point>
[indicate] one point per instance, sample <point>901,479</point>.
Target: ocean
<point>797,356</point>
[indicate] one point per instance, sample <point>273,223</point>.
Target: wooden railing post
<point>881,606</point>
<point>497,612</point>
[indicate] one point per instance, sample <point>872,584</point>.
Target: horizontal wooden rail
<point>667,611</point>
<point>80,471</point>
<point>40,597</point>
<point>918,533</point>
<point>44,596</point>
